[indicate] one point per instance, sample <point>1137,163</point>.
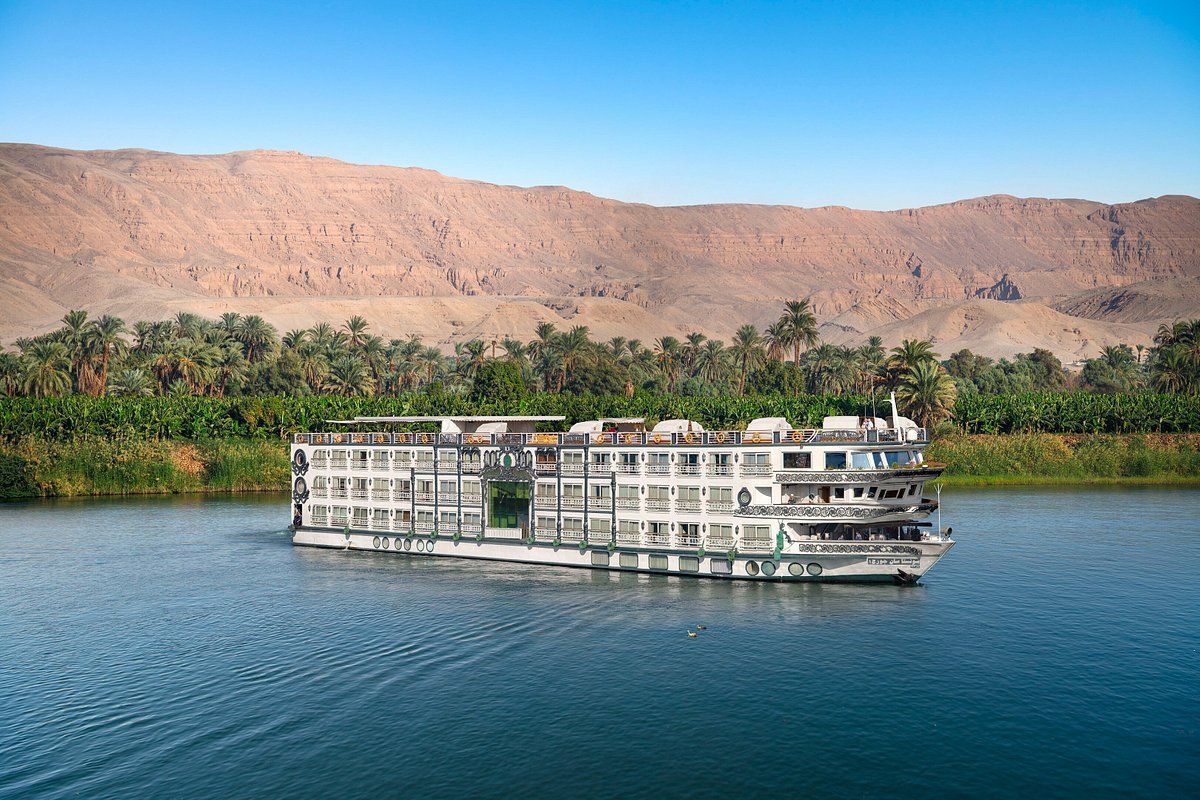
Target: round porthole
<point>420,545</point>
<point>751,567</point>
<point>429,546</point>
<point>300,459</point>
<point>768,567</point>
<point>744,497</point>
<point>386,543</point>
<point>301,486</point>
<point>796,568</point>
<point>815,569</point>
<point>375,542</point>
<point>408,544</point>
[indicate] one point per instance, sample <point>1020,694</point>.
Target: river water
<point>181,647</point>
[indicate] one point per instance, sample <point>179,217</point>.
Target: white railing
<point>380,524</point>
<point>425,497</point>
<point>572,469</point>
<point>339,492</point>
<point>658,539</point>
<point>471,527</point>
<point>425,525</point>
<point>320,494</point>
<point>471,466</point>
<point>756,545</point>
<point>628,469</point>
<point>546,467</point>
<point>381,464</point>
<point>359,464</point>
<point>715,507</point>
<point>544,501</point>
<point>403,525</point>
<point>600,503</point>
<point>338,520</point>
<point>628,502</point>
<point>718,542</point>
<point>380,494</point>
<point>472,499</point>
<point>573,503</point>
<point>358,522</point>
<point>687,469</point>
<point>571,535</point>
<point>756,469</point>
<point>629,538</point>
<point>360,494</point>
<point>319,519</point>
<point>337,463</point>
<point>320,463</point>
<point>449,498</point>
<point>658,469</point>
<point>687,505</point>
<point>599,468</point>
<point>658,505</point>
<point>505,533</point>
<point>687,542</point>
<point>402,494</point>
<point>720,470</point>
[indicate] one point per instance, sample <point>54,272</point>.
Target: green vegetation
<point>1047,458</point>
<point>90,465</point>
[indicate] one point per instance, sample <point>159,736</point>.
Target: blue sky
<point>871,105</point>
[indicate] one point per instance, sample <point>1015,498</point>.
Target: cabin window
<point>600,491</point>
<point>572,525</point>
<point>628,531</point>
<point>449,519</point>
<point>759,535</point>
<point>402,457</point>
<point>659,533</point>
<point>470,487</point>
<point>629,560</point>
<point>720,535</point>
<point>755,459</point>
<point>425,517</point>
<point>721,494</point>
<point>689,534</point>
<point>689,564</point>
<point>858,491</point>
<point>600,459</point>
<point>448,457</point>
<point>835,460</point>
<point>599,558</point>
<point>719,566</point>
<point>600,525</point>
<point>448,487</point>
<point>574,457</point>
<point>628,460</point>
<point>862,460</point>
<point>797,460</point>
<point>689,494</point>
<point>573,490</point>
<point>912,489</point>
<point>471,518</point>
<point>871,491</point>
<point>626,492</point>
<point>839,493</point>
<point>658,562</point>
<point>547,491</point>
<point>897,458</point>
<point>546,523</point>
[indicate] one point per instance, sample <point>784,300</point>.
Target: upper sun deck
<point>520,431</point>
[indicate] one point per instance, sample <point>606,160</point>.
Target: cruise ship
<point>845,502</point>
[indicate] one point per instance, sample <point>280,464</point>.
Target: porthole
<point>301,486</point>
<point>386,543</point>
<point>420,545</point>
<point>744,497</point>
<point>815,569</point>
<point>408,544</point>
<point>429,546</point>
<point>768,567</point>
<point>796,568</point>
<point>375,542</point>
<point>751,567</point>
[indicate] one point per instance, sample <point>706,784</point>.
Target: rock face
<point>148,233</point>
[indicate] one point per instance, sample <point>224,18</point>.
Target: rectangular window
<point>599,558</point>
<point>572,490</point>
<point>402,457</point>
<point>471,518</point>
<point>858,491</point>
<point>629,560</point>
<point>658,492</point>
<point>658,562</point>
<point>835,460</point>
<point>720,566</point>
<point>627,492</point>
<point>720,494</point>
<point>600,491</point>
<point>448,487</point>
<point>689,564</point>
<point>572,457</point>
<point>862,460</point>
<point>689,534</point>
<point>573,524</point>
<point>871,492</point>
<point>797,460</point>
<point>755,459</point>
<point>628,460</point>
<point>449,519</point>
<point>546,523</point>
<point>689,493</point>
<point>839,493</point>
<point>897,458</point>
<point>912,489</point>
<point>547,490</point>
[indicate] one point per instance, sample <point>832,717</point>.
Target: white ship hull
<point>813,562</point>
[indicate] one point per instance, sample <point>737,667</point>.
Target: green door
<point>508,504</point>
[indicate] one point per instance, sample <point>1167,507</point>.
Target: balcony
<point>470,527</point>
<point>425,497</point>
<point>358,522</point>
<point>571,535</point>
<point>380,494</point>
<point>472,499</point>
<point>686,541</point>
<point>339,492</point>
<point>448,498</point>
<point>719,508</point>
<point>545,501</point>
<point>471,467</point>
<point>632,503</point>
<point>424,525</point>
<point>656,504</point>
<point>402,494</point>
<point>359,494</point>
<point>627,469</point>
<point>720,470</point>
<point>320,463</point>
<point>687,506</point>
<point>338,520</point>
<point>756,469</point>
<point>756,545</point>
<point>658,469</point>
<point>629,537</point>
<point>402,525</point>
<point>320,494</point>
<point>319,520</point>
<point>718,542</point>
<point>573,503</point>
<point>505,533</point>
<point>572,469</point>
<point>600,468</point>
<point>360,464</point>
<point>381,465</point>
<point>600,503</point>
<point>658,539</point>
<point>687,469</point>
<point>337,463</point>
<point>546,467</point>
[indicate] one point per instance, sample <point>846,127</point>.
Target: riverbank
<point>93,465</point>
<point>90,465</point>
<point>1067,459</point>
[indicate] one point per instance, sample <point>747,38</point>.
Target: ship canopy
<point>462,424</point>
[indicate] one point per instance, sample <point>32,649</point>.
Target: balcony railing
<point>320,494</point>
<point>629,537</point>
<point>687,505</point>
<point>571,535</point>
<point>655,504</point>
<point>629,502</point>
<point>399,524</point>
<point>337,463</point>
<point>600,468</point>
<point>425,497</point>
<point>720,470</point>
<point>658,539</point>
<point>360,464</point>
<point>715,507</point>
<point>402,494</point>
<point>339,492</point>
<point>572,469</point>
<point>687,469</point>
<point>687,541</point>
<point>624,438</point>
<point>600,503</point>
<point>380,494</point>
<point>471,467</point>
<point>628,469</point>
<point>360,494</point>
<point>358,522</point>
<point>545,501</point>
<point>319,520</point>
<point>718,542</point>
<point>658,469</point>
<point>546,467</point>
<point>756,469</point>
<point>756,545</point>
<point>573,503</point>
<point>320,463</point>
<point>472,499</point>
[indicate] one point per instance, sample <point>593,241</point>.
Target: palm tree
<point>10,373</point>
<point>692,350</point>
<point>229,321</point>
<point>926,393</point>
<point>669,356</point>
<point>46,368</point>
<point>131,383</point>
<point>256,335</point>
<point>904,358</point>
<point>188,325</point>
<point>431,359</point>
<point>777,339</point>
<point>348,376</point>
<point>571,347</point>
<point>801,326</point>
<point>356,330</point>
<point>104,338</point>
<point>1171,370</point>
<point>313,364</point>
<point>747,350</point>
<point>294,338</point>
<point>713,361</point>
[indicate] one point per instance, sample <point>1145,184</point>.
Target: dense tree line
<point>237,356</point>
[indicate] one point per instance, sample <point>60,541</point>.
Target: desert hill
<point>299,239</point>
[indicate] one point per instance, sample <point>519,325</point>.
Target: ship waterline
<point>839,503</point>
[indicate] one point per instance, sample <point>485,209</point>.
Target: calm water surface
<point>183,648</point>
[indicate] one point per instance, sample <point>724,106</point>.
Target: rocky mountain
<point>299,239</point>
